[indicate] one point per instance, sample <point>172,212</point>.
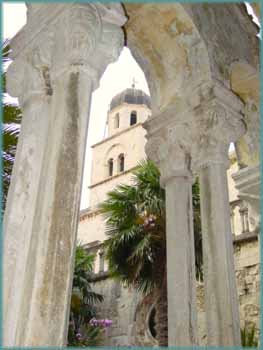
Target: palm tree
<point>136,244</point>
<point>83,300</point>
<point>11,127</point>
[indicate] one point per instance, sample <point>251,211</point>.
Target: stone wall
<point>246,253</point>
<point>130,311</point>
<point>248,281</point>
<point>119,305</point>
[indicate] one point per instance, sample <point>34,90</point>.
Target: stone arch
<point>213,25</point>
<point>244,80</point>
<point>166,45</point>
<point>245,83</point>
<point>192,49</point>
<point>192,45</point>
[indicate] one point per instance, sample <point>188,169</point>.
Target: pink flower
<point>105,323</point>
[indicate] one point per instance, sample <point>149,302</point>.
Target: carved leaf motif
<point>180,136</point>
<point>171,152</point>
<point>217,126</point>
<point>152,149</point>
<point>84,32</point>
<point>215,129</point>
<point>24,76</point>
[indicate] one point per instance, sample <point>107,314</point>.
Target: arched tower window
<point>117,121</point>
<point>133,119</point>
<point>121,162</point>
<point>110,167</point>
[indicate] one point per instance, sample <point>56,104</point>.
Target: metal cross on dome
<point>134,82</point>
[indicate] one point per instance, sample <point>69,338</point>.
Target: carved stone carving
<point>79,38</point>
<point>88,44</point>
<point>180,142</point>
<point>171,151</point>
<point>28,74</point>
<point>84,32</point>
<point>216,125</point>
<point>24,79</point>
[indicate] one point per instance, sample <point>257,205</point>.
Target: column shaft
<point>19,212</point>
<point>221,298</point>
<point>181,281</point>
<point>51,258</point>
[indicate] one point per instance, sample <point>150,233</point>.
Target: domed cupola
<point>131,96</point>
<point>129,108</point>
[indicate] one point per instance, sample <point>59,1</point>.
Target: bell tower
<point>116,156</point>
<point>128,108</point>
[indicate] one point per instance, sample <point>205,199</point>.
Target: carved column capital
<point>28,75</point>
<point>170,149</point>
<point>65,38</point>
<point>86,41</point>
<point>219,120</point>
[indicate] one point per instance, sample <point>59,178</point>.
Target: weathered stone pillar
<point>219,121</point>
<point>169,148</point>
<point>26,79</point>
<point>86,38</point>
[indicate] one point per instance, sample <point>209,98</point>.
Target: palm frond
<point>6,50</point>
<point>135,226</point>
<point>141,250</point>
<point>10,130</point>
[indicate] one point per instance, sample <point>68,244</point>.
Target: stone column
<point>168,147</point>
<point>86,39</point>
<point>28,80</point>
<point>219,122</point>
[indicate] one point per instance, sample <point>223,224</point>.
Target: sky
<point>117,77</point>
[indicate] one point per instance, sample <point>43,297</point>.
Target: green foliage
<point>87,336</point>
<point>133,241</point>
<point>83,300</point>
<point>11,127</point>
<point>82,276</point>
<point>135,225</point>
<point>248,337</point>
